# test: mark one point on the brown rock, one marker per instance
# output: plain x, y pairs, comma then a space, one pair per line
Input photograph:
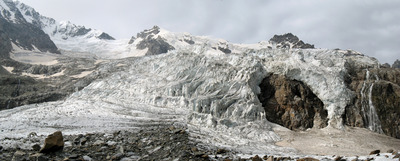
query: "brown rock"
397, 156
338, 158
19, 155
205, 156
307, 159
374, 152
36, 147
390, 151
194, 149
221, 151
291, 103
270, 158
385, 98
256, 158
54, 142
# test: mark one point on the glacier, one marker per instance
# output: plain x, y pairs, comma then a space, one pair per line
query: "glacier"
207, 85
198, 86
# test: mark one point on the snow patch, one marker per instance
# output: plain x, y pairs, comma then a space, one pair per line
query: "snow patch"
9, 69
43, 76
83, 74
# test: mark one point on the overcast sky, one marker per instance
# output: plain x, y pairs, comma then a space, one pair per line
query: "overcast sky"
369, 26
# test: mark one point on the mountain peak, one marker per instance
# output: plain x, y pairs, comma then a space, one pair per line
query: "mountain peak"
396, 64
289, 40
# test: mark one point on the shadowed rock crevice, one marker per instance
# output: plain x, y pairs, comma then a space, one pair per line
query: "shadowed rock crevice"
291, 103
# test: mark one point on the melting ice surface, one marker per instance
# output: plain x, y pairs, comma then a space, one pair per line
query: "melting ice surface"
212, 93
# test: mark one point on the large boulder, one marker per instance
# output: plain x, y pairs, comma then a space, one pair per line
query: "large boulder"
53, 143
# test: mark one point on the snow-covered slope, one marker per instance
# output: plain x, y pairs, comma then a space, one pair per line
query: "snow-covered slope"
68, 37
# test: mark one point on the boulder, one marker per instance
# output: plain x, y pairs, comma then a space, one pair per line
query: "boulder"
374, 152
19, 155
256, 158
36, 147
270, 158
222, 151
53, 143
307, 159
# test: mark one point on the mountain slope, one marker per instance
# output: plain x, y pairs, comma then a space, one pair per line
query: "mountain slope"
28, 29
15, 29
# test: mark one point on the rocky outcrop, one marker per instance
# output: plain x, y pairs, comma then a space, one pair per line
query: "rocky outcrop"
396, 64
291, 103
57, 82
22, 90
289, 41
5, 44
155, 45
377, 102
26, 36
105, 36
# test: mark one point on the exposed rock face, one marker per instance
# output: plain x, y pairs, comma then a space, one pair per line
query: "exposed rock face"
58, 81
133, 38
54, 142
290, 41
5, 43
20, 90
105, 36
396, 64
377, 102
3, 71
155, 45
24, 35
291, 103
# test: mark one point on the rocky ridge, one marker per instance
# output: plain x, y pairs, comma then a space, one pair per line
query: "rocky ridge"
289, 41
154, 45
396, 64
15, 29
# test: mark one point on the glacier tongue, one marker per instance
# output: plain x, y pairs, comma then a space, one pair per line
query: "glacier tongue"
197, 85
